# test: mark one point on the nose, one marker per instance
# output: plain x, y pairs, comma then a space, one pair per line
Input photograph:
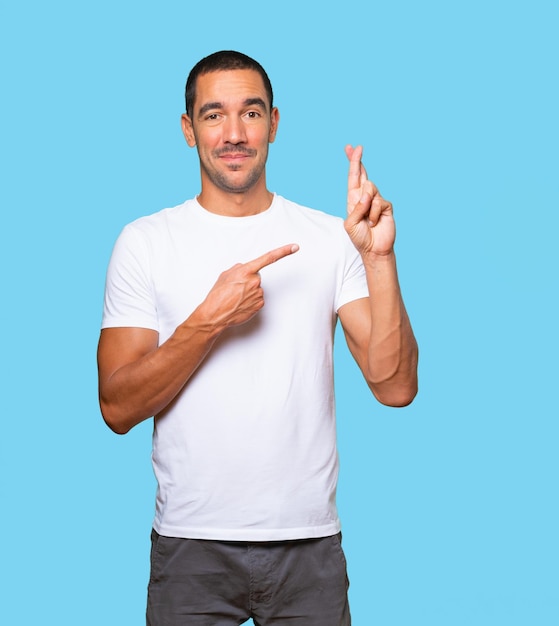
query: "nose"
234, 130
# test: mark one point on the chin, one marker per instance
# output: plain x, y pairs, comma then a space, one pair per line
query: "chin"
225, 183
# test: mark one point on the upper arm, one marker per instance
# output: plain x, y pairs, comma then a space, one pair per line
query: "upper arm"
355, 317
120, 346
390, 365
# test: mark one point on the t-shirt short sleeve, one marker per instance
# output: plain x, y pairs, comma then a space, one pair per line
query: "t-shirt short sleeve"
129, 297
354, 281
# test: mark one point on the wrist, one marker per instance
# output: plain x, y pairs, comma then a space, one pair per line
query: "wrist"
199, 322
376, 258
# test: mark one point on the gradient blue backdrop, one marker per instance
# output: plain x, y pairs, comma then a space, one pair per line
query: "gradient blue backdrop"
449, 506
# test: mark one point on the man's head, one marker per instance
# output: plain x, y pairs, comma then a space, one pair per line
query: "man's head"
222, 61
231, 120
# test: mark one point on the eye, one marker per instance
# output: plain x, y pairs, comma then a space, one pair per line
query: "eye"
212, 119
253, 115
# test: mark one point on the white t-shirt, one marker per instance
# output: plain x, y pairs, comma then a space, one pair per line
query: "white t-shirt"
247, 451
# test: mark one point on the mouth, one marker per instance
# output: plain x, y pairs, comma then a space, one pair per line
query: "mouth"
234, 157
234, 152
234, 161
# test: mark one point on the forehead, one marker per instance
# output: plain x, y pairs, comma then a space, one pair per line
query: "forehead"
229, 87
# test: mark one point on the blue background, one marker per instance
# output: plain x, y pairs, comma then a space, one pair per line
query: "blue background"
449, 506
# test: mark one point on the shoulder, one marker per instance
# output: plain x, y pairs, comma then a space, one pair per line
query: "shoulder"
322, 233
319, 219
154, 231
161, 220
144, 236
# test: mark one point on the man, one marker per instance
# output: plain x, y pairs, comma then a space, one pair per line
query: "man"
219, 320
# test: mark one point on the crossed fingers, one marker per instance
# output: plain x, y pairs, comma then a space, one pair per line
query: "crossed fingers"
357, 174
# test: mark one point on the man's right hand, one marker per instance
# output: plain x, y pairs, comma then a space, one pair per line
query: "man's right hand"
237, 294
138, 378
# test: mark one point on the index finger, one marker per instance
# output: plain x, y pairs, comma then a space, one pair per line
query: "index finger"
271, 257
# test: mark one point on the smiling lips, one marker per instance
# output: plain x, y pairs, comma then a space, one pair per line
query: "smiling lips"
234, 152
234, 160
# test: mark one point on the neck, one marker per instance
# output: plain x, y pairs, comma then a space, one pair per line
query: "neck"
251, 202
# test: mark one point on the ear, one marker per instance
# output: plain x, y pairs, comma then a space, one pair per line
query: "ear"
188, 130
274, 119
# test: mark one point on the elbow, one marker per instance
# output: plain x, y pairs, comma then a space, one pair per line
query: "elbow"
114, 421
395, 392
396, 387
118, 429
397, 398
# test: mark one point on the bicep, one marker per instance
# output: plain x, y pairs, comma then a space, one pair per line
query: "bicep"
121, 346
355, 317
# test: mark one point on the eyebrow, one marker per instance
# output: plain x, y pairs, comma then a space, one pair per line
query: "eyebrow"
209, 106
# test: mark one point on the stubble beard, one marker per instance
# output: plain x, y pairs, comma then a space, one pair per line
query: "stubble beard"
222, 181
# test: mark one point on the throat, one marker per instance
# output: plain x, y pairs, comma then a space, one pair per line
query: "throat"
242, 204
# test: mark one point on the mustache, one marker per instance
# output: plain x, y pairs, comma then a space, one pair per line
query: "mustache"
234, 150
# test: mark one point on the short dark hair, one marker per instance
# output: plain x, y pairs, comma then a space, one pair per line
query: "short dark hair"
223, 60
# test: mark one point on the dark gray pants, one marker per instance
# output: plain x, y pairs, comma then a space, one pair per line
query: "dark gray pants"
222, 583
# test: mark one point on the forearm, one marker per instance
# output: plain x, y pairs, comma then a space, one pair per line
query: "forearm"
392, 350
145, 386
138, 378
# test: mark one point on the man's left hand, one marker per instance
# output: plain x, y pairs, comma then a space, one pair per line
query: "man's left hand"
369, 221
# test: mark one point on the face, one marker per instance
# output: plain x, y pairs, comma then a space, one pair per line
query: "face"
231, 125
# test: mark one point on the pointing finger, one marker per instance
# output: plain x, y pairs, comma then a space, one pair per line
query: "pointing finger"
271, 257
